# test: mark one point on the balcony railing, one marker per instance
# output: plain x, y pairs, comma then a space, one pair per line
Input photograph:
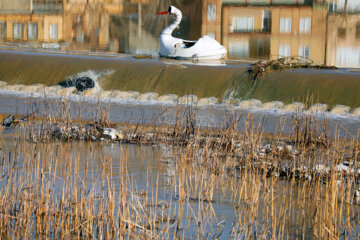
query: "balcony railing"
47, 6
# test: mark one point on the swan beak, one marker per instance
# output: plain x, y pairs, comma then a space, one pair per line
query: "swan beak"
160, 13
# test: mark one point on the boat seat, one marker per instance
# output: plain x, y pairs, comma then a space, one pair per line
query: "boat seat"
189, 43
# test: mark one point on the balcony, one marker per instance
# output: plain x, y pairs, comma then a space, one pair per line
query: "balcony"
47, 6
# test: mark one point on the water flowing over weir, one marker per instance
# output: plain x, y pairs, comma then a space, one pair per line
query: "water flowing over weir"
26, 74
128, 74
330, 87
325, 86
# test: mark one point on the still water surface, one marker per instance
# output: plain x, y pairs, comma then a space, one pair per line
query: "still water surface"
250, 30
156, 170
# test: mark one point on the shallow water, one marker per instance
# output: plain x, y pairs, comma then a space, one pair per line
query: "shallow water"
147, 168
155, 169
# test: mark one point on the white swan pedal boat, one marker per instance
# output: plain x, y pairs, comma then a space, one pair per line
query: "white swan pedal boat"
205, 48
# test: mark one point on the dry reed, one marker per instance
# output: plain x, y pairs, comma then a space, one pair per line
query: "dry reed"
299, 186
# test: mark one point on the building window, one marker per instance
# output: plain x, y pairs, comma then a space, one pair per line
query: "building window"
332, 6
341, 32
304, 51
305, 25
285, 25
239, 49
284, 50
211, 12
348, 57
53, 31
357, 34
18, 30
2, 29
32, 31
242, 24
266, 25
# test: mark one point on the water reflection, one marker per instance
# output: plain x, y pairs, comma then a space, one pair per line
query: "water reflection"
319, 30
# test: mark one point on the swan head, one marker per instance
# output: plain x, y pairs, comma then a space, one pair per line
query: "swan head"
171, 10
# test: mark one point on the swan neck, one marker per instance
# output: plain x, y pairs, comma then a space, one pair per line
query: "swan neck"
168, 30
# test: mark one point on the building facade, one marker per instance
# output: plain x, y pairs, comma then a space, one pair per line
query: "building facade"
299, 32
343, 40
31, 27
49, 20
268, 29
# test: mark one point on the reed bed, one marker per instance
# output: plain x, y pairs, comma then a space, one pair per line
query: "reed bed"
298, 186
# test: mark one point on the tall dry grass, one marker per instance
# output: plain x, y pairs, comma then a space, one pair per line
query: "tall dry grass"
299, 186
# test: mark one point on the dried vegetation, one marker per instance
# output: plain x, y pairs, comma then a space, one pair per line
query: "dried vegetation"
258, 69
303, 185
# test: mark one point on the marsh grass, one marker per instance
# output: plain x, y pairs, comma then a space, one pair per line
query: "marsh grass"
283, 187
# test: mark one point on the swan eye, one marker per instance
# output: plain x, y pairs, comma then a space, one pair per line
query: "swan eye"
169, 10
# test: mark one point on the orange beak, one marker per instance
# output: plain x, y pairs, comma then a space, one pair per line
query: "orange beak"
160, 13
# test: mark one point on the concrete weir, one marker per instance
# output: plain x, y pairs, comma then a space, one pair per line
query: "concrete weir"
154, 98
168, 98
125, 78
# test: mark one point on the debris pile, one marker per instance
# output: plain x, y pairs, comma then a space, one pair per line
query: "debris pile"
259, 68
143, 56
12, 121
